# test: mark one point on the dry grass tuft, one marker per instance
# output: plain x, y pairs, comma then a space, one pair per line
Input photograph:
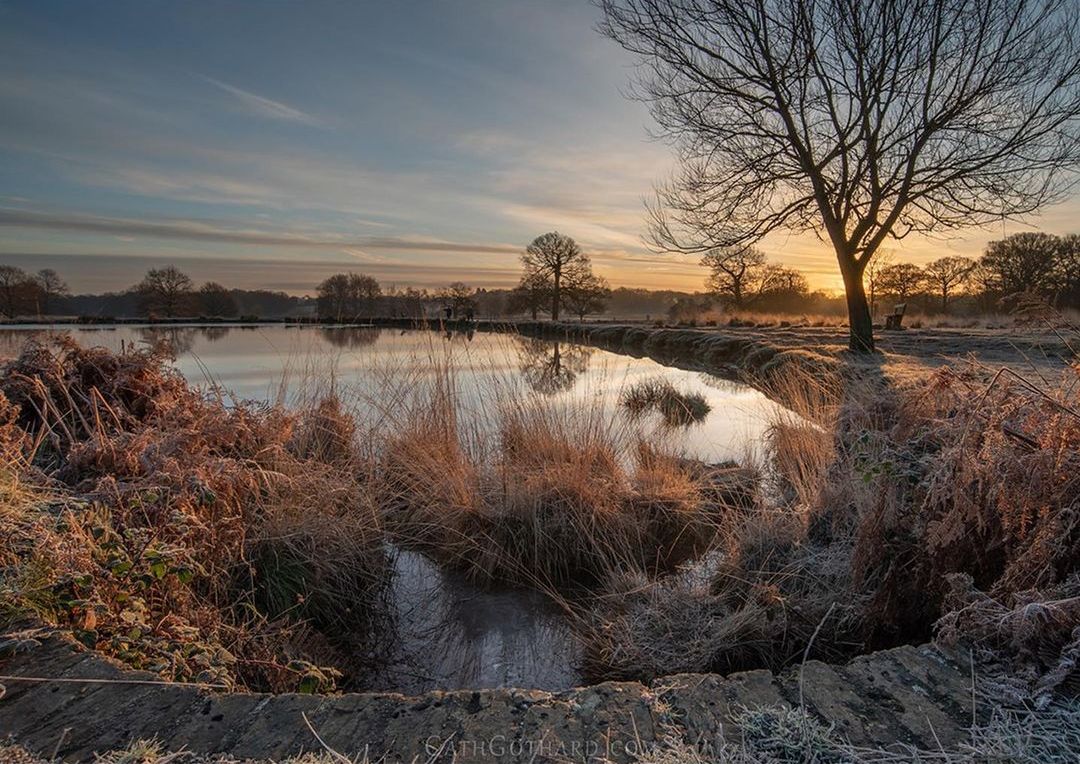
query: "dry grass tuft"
676, 408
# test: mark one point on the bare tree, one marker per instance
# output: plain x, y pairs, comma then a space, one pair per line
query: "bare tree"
1023, 262
215, 300
735, 274
458, 296
781, 280
903, 280
947, 276
1067, 271
165, 290
531, 295
364, 294
858, 120
585, 292
549, 257
50, 287
15, 287
333, 297
348, 295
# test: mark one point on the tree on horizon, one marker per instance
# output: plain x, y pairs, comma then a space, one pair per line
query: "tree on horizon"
549, 258
165, 290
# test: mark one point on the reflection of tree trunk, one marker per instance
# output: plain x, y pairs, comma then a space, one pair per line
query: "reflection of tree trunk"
555, 295
556, 360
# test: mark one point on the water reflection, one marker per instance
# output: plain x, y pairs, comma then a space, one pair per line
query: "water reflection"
267, 361
350, 337
467, 332
454, 635
551, 367
181, 339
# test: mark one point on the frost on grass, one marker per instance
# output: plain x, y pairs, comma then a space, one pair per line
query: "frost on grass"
783, 735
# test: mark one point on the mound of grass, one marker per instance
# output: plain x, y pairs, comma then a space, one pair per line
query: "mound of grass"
676, 408
197, 539
555, 499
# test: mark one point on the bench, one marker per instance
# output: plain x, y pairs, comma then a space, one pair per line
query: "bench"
894, 319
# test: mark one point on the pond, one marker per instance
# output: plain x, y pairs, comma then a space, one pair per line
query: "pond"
453, 635
275, 361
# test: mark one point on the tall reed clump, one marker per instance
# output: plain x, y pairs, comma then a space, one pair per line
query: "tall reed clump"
184, 535
544, 493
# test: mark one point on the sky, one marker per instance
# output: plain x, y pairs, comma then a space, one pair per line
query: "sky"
271, 143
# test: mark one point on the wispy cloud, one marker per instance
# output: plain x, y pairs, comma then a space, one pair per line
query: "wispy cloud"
195, 230
266, 107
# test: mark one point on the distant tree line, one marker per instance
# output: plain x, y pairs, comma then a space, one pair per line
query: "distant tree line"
163, 292
557, 280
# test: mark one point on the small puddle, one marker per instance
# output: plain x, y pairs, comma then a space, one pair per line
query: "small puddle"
455, 635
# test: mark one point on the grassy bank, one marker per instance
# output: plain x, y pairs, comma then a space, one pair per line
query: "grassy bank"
204, 539
213, 540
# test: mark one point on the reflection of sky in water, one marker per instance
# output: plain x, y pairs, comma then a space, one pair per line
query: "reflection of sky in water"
260, 362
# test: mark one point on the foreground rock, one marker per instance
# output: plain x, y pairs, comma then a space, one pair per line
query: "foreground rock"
919, 696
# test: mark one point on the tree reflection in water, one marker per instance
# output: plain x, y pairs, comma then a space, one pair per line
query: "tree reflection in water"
182, 338
350, 337
551, 367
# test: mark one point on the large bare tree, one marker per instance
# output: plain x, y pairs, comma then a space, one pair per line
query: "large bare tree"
550, 257
858, 120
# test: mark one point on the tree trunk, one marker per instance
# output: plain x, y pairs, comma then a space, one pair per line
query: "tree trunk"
860, 323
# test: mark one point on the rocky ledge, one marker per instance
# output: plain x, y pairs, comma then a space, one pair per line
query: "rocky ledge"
81, 703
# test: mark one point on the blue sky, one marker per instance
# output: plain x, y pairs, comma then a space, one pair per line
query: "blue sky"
271, 143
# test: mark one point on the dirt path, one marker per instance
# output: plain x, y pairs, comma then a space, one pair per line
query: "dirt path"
920, 696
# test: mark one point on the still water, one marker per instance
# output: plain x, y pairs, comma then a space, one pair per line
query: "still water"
453, 635
274, 362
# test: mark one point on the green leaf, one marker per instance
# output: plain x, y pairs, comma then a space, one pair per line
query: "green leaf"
184, 575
